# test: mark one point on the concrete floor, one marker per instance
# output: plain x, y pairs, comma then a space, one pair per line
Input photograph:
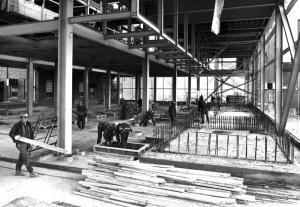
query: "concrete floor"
55, 185
50, 185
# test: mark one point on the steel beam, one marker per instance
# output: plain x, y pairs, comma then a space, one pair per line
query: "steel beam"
149, 45
100, 17
29, 28
131, 34
288, 32
291, 88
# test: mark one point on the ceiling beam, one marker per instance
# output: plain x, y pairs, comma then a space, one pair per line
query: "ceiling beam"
100, 17
29, 28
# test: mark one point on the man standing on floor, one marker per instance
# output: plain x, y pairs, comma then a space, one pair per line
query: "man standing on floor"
81, 114
23, 128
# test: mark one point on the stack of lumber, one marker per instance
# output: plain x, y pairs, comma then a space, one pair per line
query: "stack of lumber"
134, 184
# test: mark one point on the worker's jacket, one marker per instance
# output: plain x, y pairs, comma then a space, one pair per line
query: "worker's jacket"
23, 130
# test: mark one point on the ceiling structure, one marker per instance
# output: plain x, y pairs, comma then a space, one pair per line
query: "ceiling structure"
242, 24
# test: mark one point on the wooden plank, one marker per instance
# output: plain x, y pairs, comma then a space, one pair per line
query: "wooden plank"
41, 144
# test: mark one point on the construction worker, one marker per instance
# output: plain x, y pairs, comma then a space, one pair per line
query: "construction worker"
172, 113
108, 130
81, 115
203, 109
123, 130
23, 129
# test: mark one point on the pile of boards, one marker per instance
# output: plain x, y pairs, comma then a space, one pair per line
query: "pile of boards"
132, 184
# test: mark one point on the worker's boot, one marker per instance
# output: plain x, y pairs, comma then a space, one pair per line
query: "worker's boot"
20, 174
33, 174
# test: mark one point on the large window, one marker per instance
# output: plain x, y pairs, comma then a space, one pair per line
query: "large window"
127, 88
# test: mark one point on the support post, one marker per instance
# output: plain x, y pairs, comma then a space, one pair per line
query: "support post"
65, 73
262, 74
155, 88
55, 86
278, 66
86, 86
108, 89
30, 80
160, 15
189, 90
193, 40
174, 86
104, 23
175, 21
118, 88
87, 8
291, 88
186, 32
288, 32
137, 87
145, 74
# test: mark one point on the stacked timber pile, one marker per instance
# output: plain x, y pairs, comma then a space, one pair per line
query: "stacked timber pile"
133, 184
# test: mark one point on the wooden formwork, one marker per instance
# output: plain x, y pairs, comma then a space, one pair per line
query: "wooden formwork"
133, 149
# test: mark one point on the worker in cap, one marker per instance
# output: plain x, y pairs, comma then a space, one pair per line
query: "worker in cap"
23, 129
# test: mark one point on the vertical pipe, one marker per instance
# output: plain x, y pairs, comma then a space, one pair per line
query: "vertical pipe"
275, 156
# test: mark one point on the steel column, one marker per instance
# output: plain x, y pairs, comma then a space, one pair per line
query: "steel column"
189, 90
160, 15
30, 88
175, 21
174, 86
262, 74
65, 73
278, 68
137, 87
108, 89
118, 88
145, 73
288, 32
291, 88
86, 86
155, 88
186, 32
